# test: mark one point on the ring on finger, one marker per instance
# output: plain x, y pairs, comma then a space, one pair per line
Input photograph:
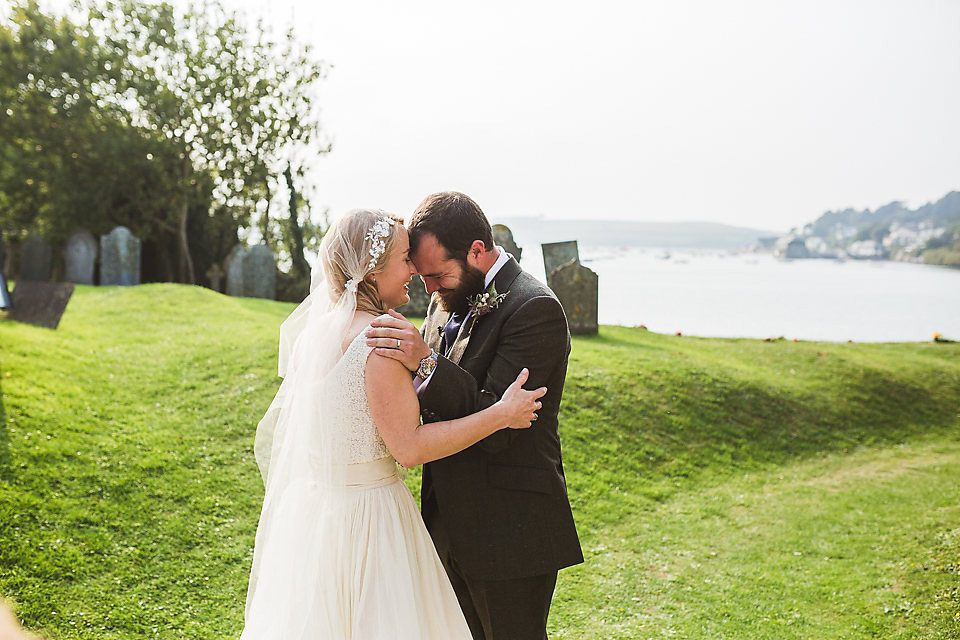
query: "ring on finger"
398, 343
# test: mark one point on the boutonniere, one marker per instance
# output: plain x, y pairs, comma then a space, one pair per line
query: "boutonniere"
483, 303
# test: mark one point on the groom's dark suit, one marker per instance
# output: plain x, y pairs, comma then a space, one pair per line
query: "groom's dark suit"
501, 503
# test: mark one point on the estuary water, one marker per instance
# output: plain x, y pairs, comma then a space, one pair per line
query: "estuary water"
723, 294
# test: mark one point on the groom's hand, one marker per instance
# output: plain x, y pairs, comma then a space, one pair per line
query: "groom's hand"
393, 336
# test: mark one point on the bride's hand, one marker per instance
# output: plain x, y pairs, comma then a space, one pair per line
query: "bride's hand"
520, 404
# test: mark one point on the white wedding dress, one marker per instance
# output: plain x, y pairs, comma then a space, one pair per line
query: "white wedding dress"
354, 561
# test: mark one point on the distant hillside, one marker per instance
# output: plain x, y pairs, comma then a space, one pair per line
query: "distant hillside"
943, 213
930, 233
624, 233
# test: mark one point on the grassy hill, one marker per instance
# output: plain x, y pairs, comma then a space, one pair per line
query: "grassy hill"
722, 488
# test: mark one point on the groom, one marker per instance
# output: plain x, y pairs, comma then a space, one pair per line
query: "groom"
497, 511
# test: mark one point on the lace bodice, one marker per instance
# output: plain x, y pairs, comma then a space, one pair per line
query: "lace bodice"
346, 405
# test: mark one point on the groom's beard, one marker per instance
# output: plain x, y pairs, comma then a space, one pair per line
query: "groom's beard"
471, 283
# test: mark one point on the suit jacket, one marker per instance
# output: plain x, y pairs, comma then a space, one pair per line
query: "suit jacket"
503, 501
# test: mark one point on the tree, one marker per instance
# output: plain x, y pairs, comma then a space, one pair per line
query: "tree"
287, 125
68, 158
876, 232
234, 105
149, 116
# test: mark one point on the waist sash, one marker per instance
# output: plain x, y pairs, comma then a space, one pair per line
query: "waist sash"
368, 475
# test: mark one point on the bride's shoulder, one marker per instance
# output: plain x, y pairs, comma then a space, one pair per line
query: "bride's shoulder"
361, 321
385, 373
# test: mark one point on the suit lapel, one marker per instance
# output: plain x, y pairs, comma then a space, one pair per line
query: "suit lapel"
504, 278
433, 325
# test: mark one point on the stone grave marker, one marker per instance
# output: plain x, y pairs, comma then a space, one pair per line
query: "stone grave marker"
5, 300
259, 273
576, 287
35, 260
234, 265
80, 257
504, 237
40, 303
119, 258
558, 253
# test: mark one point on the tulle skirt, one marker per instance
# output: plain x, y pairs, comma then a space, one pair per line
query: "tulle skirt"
354, 563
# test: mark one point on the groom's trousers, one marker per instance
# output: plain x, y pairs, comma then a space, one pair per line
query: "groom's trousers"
514, 609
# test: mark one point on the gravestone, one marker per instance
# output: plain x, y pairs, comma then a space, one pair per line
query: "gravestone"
40, 303
119, 258
5, 300
80, 257
419, 299
35, 260
234, 264
576, 287
260, 273
558, 253
504, 237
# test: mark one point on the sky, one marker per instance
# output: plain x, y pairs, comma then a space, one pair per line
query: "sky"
757, 113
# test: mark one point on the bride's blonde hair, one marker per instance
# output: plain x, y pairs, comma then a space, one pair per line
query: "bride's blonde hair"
355, 247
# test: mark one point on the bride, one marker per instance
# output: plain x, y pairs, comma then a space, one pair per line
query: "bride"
341, 551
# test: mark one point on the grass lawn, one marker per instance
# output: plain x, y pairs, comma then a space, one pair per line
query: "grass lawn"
722, 488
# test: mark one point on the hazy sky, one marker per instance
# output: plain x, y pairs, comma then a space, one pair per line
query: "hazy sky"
760, 113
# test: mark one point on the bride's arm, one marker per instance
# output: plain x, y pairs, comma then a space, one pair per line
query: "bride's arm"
396, 412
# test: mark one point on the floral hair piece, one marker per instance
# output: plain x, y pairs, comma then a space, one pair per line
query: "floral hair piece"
377, 236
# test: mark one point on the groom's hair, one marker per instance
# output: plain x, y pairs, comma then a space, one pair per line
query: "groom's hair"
456, 221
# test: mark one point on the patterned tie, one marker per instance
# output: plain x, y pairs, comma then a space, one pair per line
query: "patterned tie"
451, 329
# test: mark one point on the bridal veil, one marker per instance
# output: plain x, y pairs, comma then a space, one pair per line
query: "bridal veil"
298, 445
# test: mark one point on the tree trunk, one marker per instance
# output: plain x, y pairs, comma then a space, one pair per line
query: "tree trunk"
265, 223
186, 262
300, 263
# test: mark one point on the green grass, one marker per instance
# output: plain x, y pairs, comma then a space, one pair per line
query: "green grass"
722, 488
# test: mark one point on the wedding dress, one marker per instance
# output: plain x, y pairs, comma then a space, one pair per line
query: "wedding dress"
354, 564
341, 551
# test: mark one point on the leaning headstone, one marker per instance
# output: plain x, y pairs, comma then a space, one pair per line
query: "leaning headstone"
234, 264
40, 303
5, 300
576, 287
260, 273
119, 258
558, 253
419, 299
35, 260
504, 237
80, 257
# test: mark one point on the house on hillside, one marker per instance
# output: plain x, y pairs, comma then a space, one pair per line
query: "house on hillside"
867, 250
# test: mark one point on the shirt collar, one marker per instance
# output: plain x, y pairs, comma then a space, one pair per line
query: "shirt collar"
495, 269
